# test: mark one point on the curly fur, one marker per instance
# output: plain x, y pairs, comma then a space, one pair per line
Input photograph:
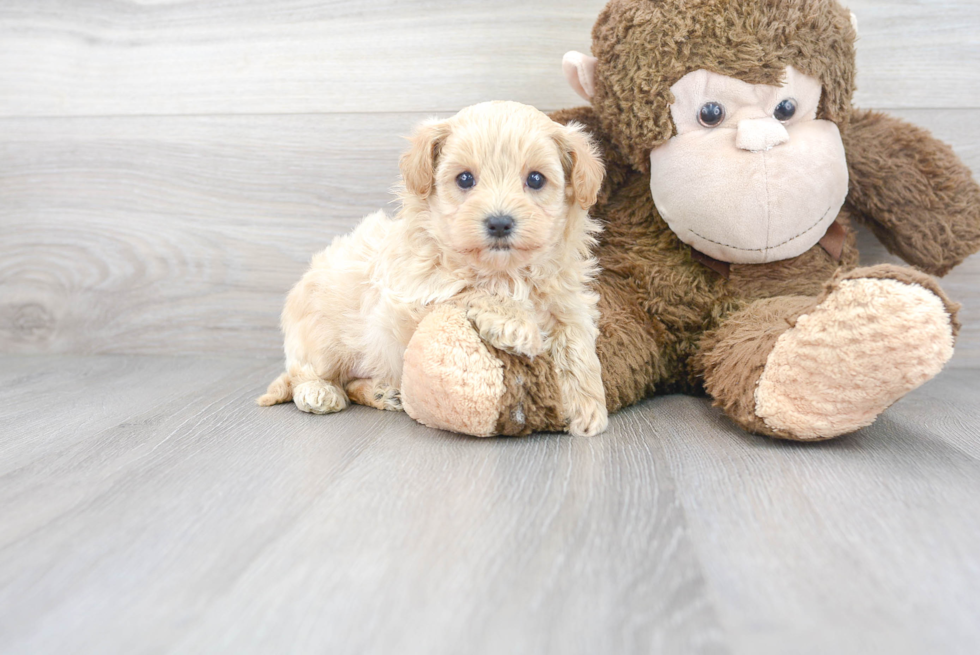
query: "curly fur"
645, 46
349, 319
670, 324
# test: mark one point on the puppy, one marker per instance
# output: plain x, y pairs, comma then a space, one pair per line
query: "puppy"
493, 219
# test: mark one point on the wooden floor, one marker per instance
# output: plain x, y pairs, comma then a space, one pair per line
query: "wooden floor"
146, 505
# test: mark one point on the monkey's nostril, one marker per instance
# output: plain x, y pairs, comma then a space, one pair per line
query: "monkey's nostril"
499, 226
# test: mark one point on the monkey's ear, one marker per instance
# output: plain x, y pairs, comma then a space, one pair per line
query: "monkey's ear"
418, 163
854, 22
579, 70
583, 167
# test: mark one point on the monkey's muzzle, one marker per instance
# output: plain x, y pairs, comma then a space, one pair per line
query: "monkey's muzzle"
751, 206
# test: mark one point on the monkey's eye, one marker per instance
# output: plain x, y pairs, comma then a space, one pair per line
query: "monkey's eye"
535, 180
785, 110
465, 180
711, 114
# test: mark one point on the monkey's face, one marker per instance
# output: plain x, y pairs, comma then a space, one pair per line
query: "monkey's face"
750, 176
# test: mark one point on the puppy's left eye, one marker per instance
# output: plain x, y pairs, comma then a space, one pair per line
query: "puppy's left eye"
535, 180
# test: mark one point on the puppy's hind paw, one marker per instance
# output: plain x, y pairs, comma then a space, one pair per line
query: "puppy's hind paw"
374, 393
589, 418
388, 399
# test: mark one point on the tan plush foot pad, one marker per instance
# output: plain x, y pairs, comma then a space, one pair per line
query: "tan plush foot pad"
866, 345
450, 380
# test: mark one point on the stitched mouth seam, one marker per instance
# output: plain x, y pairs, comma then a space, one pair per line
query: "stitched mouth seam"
765, 170
768, 247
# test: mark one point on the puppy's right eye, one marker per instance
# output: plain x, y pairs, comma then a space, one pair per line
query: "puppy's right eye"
465, 180
711, 114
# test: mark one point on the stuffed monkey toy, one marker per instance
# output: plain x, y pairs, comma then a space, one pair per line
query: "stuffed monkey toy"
735, 169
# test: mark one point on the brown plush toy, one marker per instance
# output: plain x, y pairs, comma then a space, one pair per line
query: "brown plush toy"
728, 257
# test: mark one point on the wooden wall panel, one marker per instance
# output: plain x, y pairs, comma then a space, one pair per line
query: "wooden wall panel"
157, 235
917, 53
289, 56
167, 168
59, 57
182, 234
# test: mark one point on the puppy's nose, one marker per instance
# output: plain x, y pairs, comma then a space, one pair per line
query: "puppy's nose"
760, 134
499, 226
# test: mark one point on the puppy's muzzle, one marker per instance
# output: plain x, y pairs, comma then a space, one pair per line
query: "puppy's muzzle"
499, 227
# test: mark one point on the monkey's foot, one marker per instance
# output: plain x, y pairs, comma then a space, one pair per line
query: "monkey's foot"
879, 333
450, 380
453, 380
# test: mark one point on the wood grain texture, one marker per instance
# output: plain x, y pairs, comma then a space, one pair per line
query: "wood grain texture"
292, 56
190, 521
56, 403
183, 234
58, 57
196, 522
917, 53
867, 543
175, 234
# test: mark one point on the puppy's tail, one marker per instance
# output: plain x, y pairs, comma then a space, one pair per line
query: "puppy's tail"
280, 391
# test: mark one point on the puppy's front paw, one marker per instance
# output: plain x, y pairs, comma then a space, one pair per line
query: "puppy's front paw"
319, 397
588, 417
516, 334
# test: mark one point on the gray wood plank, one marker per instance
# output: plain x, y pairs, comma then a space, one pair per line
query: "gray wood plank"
917, 53
867, 543
183, 234
946, 410
55, 403
112, 58
128, 228
205, 524
208, 524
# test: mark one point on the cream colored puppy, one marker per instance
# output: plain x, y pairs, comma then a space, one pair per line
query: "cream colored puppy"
494, 219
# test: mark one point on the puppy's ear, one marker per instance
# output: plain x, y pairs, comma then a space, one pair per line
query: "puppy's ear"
418, 163
583, 167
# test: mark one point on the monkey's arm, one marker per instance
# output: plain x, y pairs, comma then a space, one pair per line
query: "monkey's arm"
455, 381
912, 191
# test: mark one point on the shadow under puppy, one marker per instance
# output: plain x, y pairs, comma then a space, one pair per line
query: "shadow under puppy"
494, 221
